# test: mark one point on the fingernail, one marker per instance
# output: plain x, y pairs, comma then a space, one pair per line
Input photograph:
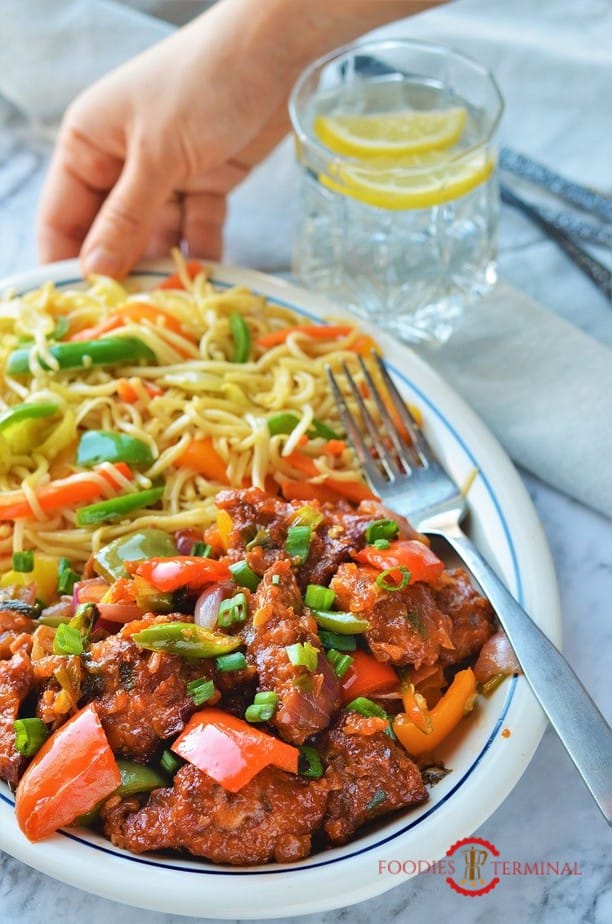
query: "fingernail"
102, 261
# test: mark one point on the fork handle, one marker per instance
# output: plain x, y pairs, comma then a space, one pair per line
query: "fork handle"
571, 711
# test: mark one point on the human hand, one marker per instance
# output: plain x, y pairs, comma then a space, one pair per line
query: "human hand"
147, 155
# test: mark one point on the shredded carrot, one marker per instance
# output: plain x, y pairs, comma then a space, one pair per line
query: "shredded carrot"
334, 447
303, 462
305, 490
128, 393
99, 330
315, 331
66, 492
175, 282
201, 456
354, 491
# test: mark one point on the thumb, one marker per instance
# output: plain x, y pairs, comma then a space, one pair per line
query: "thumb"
119, 234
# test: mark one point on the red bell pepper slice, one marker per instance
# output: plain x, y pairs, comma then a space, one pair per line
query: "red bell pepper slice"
168, 574
230, 750
367, 675
423, 564
74, 769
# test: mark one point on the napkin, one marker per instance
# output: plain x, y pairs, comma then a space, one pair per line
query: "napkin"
542, 385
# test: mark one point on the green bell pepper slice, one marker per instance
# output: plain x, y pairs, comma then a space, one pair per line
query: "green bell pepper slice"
342, 623
137, 778
107, 351
186, 639
97, 446
28, 411
117, 507
146, 543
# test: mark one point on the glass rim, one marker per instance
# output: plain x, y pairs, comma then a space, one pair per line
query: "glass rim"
307, 137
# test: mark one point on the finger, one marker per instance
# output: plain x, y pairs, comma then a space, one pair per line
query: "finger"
119, 234
203, 217
74, 190
167, 229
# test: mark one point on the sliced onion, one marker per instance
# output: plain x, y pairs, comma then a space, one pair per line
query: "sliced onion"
186, 538
120, 612
305, 713
63, 609
496, 657
89, 591
207, 604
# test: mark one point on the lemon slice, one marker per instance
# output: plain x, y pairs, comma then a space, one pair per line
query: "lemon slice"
417, 181
408, 131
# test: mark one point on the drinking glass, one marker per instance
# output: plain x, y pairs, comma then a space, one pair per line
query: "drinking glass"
397, 204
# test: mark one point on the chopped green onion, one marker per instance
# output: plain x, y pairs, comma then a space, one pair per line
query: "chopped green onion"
303, 654
232, 610
266, 697
201, 690
381, 529
492, 684
297, 545
377, 799
83, 619
276, 579
365, 706
231, 662
30, 735
170, 762
343, 623
244, 575
66, 577
340, 662
261, 538
381, 544
319, 597
309, 763
23, 562
117, 507
384, 584
307, 516
201, 549
67, 641
263, 707
242, 337
337, 641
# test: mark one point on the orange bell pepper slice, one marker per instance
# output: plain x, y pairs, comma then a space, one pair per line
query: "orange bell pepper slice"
230, 750
418, 558
444, 717
169, 574
74, 769
367, 675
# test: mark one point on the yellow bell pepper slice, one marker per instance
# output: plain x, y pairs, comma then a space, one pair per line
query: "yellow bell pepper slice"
443, 718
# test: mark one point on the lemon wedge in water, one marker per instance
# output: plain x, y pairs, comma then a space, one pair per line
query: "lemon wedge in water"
418, 181
406, 131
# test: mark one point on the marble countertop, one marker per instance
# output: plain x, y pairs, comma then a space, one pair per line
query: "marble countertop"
549, 815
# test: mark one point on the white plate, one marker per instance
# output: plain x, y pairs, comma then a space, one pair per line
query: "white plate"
486, 765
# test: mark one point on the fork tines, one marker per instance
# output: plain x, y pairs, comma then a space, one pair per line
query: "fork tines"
387, 448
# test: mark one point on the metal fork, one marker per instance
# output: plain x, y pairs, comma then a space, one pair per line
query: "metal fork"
409, 477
